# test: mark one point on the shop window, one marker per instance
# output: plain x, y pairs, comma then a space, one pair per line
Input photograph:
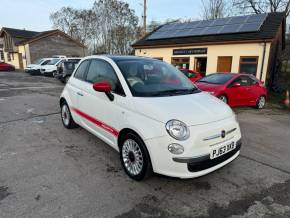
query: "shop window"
248, 65
180, 62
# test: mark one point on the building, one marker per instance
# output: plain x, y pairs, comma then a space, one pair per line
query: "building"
245, 44
1, 51
22, 47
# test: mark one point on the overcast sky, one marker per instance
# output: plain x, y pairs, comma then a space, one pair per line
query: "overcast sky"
34, 14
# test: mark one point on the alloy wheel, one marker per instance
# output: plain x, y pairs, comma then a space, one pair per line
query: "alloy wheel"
65, 115
224, 99
132, 157
261, 102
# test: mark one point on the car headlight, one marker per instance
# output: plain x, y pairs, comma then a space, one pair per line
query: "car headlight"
177, 130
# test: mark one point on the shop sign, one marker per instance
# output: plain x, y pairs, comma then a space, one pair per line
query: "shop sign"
190, 51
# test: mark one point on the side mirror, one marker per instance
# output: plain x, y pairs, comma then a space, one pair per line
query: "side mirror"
104, 87
236, 85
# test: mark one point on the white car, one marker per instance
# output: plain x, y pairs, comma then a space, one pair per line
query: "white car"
34, 69
152, 114
50, 69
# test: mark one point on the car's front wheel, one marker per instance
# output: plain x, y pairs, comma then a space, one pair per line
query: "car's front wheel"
134, 157
66, 117
261, 102
224, 98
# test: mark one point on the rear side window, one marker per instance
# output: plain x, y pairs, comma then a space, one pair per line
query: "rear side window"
244, 81
80, 73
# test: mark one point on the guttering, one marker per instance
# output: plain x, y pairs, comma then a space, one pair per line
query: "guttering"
171, 45
263, 60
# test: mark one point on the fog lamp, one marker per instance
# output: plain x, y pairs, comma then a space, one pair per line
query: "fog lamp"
175, 148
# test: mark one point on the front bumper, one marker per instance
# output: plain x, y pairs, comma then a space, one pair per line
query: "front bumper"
195, 161
33, 71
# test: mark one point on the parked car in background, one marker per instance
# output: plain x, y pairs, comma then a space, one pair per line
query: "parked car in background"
6, 67
50, 69
235, 89
58, 56
129, 103
34, 69
65, 70
193, 76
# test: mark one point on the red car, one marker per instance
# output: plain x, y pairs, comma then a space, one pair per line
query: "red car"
6, 67
235, 89
193, 76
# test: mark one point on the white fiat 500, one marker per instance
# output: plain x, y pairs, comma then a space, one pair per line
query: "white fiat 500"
152, 114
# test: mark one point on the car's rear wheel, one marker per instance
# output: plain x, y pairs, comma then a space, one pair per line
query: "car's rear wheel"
261, 102
134, 157
224, 98
66, 117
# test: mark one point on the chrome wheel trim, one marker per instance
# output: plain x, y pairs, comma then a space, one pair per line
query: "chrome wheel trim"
224, 99
130, 147
261, 102
65, 115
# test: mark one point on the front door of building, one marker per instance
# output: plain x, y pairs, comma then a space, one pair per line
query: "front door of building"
224, 64
200, 65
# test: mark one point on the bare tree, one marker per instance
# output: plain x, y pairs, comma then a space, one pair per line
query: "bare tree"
116, 26
76, 23
262, 6
110, 26
214, 9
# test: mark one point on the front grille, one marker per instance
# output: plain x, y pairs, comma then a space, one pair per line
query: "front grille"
206, 164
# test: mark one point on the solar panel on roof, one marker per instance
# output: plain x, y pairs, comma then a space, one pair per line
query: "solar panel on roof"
220, 22
250, 23
249, 27
230, 28
212, 30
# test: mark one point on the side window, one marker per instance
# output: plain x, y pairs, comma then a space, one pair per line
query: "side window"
243, 80
45, 62
100, 71
80, 73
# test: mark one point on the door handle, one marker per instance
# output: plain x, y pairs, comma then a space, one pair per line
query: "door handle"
80, 94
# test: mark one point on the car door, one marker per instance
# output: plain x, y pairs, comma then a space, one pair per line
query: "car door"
254, 91
75, 89
239, 96
100, 114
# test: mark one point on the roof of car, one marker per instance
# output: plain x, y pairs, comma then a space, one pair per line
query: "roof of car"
123, 57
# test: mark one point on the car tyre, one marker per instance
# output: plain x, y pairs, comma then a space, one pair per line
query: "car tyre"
66, 117
261, 102
223, 98
134, 157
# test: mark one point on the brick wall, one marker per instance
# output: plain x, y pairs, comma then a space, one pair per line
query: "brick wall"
56, 44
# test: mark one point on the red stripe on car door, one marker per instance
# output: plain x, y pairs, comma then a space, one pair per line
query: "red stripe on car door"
99, 123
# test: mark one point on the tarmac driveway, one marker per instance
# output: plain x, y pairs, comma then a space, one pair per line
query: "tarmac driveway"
49, 171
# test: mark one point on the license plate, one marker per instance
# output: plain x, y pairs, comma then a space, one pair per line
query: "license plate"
221, 150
